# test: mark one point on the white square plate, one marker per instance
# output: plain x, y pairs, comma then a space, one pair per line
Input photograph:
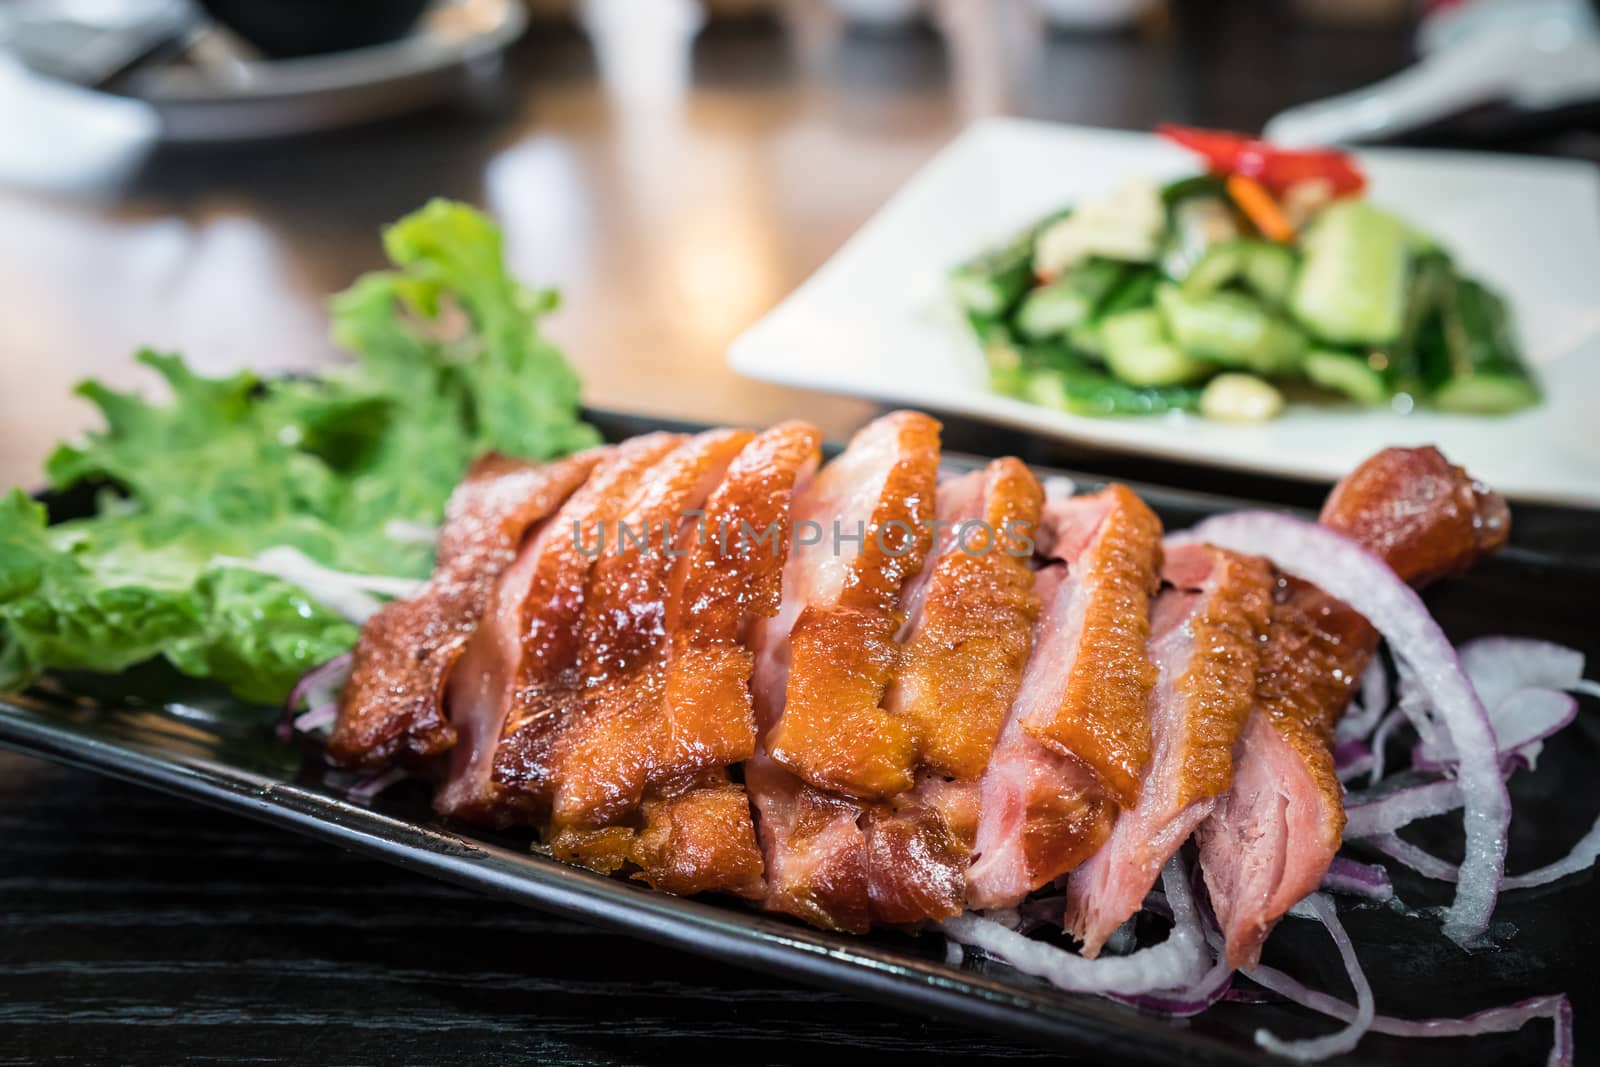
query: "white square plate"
875, 321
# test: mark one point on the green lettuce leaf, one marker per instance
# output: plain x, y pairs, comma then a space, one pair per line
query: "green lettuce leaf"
450, 363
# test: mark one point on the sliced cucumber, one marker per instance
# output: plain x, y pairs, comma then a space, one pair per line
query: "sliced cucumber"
1347, 373
1219, 266
1139, 351
1351, 287
1052, 310
992, 282
1232, 329
1269, 271
1477, 367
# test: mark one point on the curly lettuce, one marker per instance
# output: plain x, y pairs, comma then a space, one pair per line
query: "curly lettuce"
450, 363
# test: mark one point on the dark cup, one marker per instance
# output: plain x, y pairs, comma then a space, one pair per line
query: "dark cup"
282, 29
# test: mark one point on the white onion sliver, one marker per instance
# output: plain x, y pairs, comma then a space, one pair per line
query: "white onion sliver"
1581, 858
1500, 1020
1176, 963
1310, 1050
354, 596
1346, 571
1385, 814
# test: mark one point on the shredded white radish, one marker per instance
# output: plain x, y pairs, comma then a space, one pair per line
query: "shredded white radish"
1347, 571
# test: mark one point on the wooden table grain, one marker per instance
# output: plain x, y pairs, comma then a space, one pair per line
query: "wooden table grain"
674, 188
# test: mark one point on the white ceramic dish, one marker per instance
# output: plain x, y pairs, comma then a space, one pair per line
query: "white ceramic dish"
875, 320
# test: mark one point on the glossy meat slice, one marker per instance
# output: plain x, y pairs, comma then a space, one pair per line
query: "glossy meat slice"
686, 709
1112, 545
1044, 809
1207, 627
969, 628
1272, 838
617, 630
827, 657
970, 618
521, 663
1421, 514
391, 707
832, 729
698, 841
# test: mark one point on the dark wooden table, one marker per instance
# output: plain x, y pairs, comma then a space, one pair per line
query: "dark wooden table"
674, 196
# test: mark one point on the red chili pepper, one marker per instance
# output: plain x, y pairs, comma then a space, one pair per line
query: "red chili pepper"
1275, 168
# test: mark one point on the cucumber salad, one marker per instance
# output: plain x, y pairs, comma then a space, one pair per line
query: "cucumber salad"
1219, 293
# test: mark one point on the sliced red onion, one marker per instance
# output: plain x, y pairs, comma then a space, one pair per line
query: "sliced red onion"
1521, 719
1310, 1050
1352, 759
1499, 666
1179, 962
318, 687
1385, 814
1358, 725
1359, 879
1212, 987
1417, 858
1500, 1020
319, 717
1380, 744
371, 787
1347, 571
1580, 859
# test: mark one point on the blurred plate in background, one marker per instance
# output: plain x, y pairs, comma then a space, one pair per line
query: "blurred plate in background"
874, 320
212, 95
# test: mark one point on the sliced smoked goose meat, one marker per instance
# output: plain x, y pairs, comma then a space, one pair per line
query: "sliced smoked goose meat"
698, 841
391, 707
970, 619
832, 729
1414, 509
1271, 839
1206, 628
607, 617
1045, 809
969, 627
833, 641
702, 720
1111, 543
814, 848
687, 709
523, 659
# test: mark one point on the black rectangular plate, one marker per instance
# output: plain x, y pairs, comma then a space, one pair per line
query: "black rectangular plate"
152, 727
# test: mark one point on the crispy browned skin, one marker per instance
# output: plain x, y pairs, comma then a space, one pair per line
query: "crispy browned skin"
1215, 689
685, 707
1103, 720
834, 732
549, 676
698, 841
964, 660
391, 707
1421, 514
1317, 649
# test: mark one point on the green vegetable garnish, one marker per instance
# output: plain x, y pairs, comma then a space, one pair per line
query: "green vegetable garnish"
450, 364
